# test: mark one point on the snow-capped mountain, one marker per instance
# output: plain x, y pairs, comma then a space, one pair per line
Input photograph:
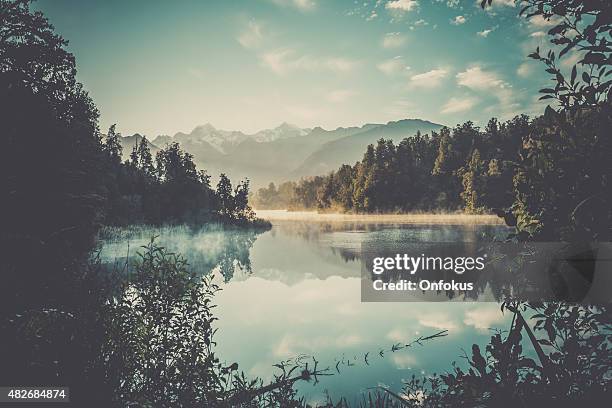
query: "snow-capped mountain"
222, 140
286, 152
283, 131
226, 140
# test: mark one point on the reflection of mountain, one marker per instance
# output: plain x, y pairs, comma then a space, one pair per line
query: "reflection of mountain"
283, 153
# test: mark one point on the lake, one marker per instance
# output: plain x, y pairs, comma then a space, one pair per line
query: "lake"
295, 290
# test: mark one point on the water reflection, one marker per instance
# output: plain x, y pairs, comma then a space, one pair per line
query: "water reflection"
207, 249
296, 290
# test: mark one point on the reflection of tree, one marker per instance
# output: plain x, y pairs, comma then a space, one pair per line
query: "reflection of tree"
206, 249
236, 254
512, 270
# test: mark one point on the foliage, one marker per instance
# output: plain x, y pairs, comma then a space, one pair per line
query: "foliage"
566, 365
562, 181
168, 188
273, 198
160, 336
60, 181
462, 167
160, 349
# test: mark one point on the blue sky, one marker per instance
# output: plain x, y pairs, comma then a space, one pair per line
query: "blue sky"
159, 67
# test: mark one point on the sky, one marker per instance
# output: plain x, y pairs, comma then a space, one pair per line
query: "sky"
160, 67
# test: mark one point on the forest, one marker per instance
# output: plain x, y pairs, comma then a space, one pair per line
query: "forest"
460, 168
167, 189
473, 170
148, 340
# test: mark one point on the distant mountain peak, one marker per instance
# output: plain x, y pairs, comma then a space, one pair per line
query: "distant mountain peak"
204, 128
286, 125
283, 131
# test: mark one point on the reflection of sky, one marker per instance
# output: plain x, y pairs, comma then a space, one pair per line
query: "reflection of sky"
262, 322
303, 297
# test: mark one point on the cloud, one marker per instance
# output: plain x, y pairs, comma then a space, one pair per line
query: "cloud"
458, 20
291, 345
524, 70
438, 320
421, 23
400, 107
402, 5
403, 361
500, 3
483, 317
538, 34
485, 33
252, 36
571, 59
340, 95
541, 22
284, 61
488, 82
393, 40
478, 79
393, 66
429, 79
455, 105
302, 5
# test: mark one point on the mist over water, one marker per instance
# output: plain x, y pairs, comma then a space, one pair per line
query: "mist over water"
295, 289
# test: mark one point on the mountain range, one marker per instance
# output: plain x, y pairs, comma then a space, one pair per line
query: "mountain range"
286, 152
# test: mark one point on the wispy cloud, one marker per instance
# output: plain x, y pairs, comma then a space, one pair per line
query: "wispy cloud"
455, 105
402, 5
477, 78
429, 79
450, 3
393, 66
524, 70
541, 22
403, 361
393, 40
458, 20
286, 60
302, 5
490, 83
499, 3
538, 34
252, 36
570, 59
438, 320
372, 15
485, 33
483, 318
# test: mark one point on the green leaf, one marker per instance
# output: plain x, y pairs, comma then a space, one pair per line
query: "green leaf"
586, 77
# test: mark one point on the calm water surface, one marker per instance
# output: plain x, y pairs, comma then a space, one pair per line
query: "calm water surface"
295, 290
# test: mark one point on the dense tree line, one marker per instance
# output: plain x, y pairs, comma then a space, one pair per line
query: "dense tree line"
548, 176
167, 188
462, 167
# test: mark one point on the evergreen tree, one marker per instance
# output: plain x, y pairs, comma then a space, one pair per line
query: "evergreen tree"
224, 197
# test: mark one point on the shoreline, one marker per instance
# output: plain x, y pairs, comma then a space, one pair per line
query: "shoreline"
424, 218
